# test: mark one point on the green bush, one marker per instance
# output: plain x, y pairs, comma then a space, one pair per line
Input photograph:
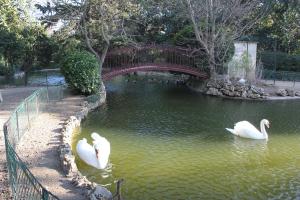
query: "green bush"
283, 61
80, 69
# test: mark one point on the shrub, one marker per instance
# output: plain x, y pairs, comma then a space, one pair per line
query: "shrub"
80, 69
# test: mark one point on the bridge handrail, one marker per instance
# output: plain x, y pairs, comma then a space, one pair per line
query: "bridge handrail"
130, 49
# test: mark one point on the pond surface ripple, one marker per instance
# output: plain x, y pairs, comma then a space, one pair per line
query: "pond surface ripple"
170, 143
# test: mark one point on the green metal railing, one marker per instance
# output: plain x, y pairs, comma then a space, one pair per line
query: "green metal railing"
22, 182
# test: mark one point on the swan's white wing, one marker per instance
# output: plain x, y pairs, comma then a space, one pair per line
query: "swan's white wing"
104, 149
86, 152
247, 130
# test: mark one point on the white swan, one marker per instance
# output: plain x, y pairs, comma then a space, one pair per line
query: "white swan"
242, 81
96, 155
247, 130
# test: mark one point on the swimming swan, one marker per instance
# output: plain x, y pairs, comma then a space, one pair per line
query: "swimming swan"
96, 155
247, 130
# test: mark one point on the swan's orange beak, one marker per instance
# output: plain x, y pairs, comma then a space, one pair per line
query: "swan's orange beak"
268, 124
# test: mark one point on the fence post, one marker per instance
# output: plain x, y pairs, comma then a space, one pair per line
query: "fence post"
61, 92
27, 111
47, 94
37, 104
11, 162
17, 119
45, 194
47, 79
8, 161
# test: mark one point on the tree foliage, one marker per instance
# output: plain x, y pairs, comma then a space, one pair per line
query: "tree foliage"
23, 42
99, 22
159, 21
207, 26
280, 27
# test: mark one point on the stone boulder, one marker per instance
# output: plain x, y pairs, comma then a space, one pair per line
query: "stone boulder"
213, 91
244, 94
290, 92
100, 193
297, 93
282, 92
233, 88
257, 90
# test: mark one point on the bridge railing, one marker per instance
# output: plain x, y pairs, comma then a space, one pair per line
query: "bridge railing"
149, 55
22, 182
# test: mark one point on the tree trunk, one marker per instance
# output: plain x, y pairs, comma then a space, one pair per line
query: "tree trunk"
102, 58
26, 78
102, 90
212, 62
212, 68
26, 68
102, 93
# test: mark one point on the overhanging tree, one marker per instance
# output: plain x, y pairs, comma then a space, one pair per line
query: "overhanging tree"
99, 22
217, 23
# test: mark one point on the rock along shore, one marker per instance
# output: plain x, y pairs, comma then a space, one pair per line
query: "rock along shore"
236, 90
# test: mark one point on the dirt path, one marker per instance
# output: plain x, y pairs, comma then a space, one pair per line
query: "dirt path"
39, 148
11, 99
42, 156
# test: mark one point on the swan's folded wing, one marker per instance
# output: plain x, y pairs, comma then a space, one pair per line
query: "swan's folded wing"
86, 152
246, 129
244, 125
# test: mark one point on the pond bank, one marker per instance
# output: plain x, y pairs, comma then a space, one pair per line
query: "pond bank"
262, 90
236, 90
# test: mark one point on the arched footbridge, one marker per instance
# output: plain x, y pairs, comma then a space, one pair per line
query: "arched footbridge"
126, 60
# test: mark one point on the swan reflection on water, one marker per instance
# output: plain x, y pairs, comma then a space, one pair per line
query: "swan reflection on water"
242, 144
254, 150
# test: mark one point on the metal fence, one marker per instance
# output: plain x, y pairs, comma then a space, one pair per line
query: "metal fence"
281, 75
45, 77
22, 182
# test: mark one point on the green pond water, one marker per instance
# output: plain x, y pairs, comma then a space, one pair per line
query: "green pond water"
168, 142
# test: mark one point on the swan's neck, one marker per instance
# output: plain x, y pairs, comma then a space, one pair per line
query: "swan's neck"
263, 129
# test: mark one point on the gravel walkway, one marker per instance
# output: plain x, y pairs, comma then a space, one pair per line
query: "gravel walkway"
39, 148
42, 156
